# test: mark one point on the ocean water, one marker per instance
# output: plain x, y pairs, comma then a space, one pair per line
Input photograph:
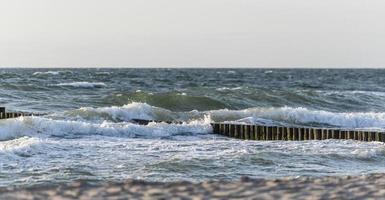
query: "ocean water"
87, 133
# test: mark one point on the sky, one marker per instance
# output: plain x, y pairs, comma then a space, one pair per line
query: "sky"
192, 33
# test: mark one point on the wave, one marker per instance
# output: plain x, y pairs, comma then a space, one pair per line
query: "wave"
258, 115
306, 116
175, 101
124, 113
41, 126
83, 84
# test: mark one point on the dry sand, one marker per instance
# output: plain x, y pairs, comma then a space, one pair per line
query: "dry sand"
347, 187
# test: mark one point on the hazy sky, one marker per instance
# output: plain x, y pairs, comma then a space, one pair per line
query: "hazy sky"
193, 33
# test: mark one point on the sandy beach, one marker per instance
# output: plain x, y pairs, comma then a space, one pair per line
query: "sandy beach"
344, 187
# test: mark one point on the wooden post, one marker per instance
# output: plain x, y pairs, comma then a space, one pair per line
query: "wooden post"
324, 134
290, 133
377, 137
350, 135
369, 136
221, 128
306, 135
257, 132
247, 132
314, 134
295, 133
366, 135
275, 132
355, 136
280, 133
2, 112
236, 130
225, 126
336, 134
242, 131
342, 134
301, 133
269, 133
264, 133
361, 135
215, 127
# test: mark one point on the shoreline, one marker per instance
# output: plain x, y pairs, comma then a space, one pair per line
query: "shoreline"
330, 187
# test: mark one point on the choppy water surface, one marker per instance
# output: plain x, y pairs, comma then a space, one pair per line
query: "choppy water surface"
87, 133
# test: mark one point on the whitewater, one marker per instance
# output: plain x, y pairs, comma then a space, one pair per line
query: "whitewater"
87, 132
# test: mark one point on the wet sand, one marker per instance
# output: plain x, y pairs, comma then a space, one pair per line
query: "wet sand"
343, 187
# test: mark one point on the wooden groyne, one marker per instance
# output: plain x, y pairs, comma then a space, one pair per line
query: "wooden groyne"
261, 132
9, 115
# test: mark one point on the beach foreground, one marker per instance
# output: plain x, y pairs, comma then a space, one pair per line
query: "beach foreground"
339, 187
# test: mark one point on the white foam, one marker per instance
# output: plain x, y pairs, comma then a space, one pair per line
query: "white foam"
83, 84
18, 143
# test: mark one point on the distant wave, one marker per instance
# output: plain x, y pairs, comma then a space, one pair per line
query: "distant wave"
50, 73
226, 88
103, 73
83, 84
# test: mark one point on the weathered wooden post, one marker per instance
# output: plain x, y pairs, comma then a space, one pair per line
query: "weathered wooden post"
247, 132
290, 133
330, 133
279, 134
269, 133
324, 134
295, 133
378, 137
2, 112
237, 131
231, 130
284, 133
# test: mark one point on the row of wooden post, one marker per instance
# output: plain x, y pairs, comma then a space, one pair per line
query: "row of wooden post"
259, 132
8, 115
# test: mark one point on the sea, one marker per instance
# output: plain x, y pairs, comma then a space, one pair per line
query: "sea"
87, 131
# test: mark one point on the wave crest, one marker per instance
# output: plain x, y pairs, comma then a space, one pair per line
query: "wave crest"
258, 115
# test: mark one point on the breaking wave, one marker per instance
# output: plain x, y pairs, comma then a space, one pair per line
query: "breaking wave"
271, 115
41, 126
